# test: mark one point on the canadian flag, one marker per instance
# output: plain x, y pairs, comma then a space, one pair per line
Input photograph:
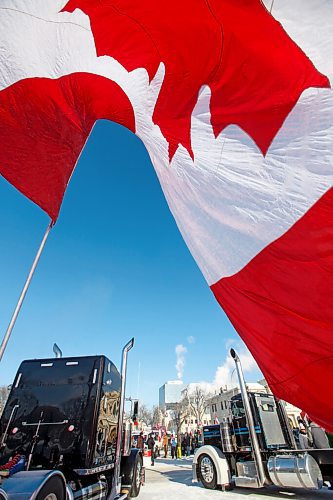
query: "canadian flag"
235, 107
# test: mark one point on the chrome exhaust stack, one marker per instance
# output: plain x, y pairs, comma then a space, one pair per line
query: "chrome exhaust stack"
116, 483
57, 351
262, 480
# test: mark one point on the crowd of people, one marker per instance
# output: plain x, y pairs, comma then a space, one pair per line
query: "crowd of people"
168, 445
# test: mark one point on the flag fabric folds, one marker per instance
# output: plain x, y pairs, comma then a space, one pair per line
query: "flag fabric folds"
234, 105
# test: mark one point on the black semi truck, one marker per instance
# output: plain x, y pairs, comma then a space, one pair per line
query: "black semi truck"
255, 447
63, 434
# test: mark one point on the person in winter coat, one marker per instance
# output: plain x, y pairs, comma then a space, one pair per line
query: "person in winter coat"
151, 447
173, 444
319, 437
157, 447
183, 446
140, 442
303, 438
165, 443
187, 444
194, 443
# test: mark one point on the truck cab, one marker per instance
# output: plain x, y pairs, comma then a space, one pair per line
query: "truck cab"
255, 447
62, 422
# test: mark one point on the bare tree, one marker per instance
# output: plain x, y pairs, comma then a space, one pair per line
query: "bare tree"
179, 414
4, 391
157, 416
198, 401
145, 415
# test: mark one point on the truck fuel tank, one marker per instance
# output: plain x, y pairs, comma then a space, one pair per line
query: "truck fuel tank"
295, 471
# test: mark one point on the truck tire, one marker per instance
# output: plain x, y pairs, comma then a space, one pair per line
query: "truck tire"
53, 489
136, 480
206, 472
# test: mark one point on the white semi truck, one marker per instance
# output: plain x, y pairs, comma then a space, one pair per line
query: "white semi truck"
255, 447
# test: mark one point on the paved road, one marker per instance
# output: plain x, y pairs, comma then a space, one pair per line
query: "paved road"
172, 480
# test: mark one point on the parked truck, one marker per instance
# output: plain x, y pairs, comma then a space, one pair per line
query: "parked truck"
255, 447
63, 434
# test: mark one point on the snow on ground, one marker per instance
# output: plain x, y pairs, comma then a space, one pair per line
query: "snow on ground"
172, 480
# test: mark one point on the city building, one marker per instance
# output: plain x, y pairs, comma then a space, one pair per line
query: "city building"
219, 403
191, 423
170, 393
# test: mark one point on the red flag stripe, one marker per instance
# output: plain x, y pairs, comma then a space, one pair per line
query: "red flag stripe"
281, 305
44, 125
254, 69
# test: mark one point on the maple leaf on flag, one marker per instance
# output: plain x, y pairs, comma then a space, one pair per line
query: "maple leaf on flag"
255, 71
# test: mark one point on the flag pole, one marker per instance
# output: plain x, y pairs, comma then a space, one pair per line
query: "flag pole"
24, 291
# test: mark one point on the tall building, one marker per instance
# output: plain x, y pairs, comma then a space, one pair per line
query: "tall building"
170, 393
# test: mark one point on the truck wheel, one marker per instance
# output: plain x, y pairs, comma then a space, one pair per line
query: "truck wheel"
52, 490
207, 472
136, 481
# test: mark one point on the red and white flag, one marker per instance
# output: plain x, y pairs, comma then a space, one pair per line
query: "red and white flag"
235, 108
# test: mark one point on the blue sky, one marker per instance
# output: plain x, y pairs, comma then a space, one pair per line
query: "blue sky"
115, 266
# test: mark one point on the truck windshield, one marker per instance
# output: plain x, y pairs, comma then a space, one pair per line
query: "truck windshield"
237, 409
57, 372
53, 396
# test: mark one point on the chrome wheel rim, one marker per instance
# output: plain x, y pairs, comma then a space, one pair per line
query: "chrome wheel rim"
207, 469
51, 496
138, 474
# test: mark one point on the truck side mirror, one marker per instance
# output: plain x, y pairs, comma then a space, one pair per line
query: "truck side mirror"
135, 410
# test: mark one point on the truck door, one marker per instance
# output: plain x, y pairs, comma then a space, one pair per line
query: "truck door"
270, 422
